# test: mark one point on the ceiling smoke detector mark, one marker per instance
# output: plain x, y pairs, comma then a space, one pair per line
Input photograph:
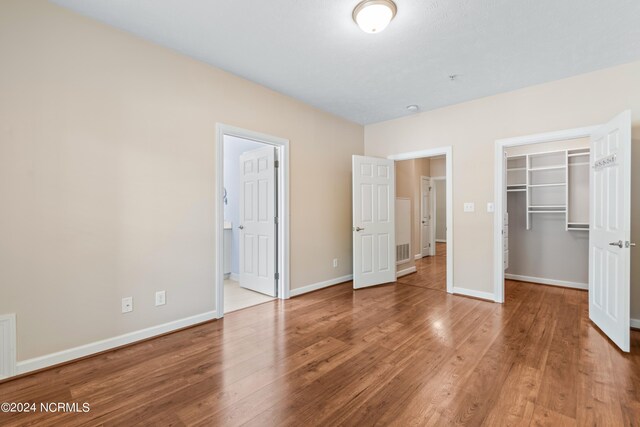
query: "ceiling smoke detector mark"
453, 77
413, 108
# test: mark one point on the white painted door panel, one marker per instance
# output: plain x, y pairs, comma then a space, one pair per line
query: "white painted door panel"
610, 229
374, 256
257, 221
426, 216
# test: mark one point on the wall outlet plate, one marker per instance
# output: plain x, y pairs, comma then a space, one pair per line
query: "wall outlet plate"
335, 262
469, 207
491, 207
161, 298
127, 304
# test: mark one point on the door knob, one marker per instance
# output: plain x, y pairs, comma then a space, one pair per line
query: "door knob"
359, 229
424, 222
241, 227
630, 244
618, 244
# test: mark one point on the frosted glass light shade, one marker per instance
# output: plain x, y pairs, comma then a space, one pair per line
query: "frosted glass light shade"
373, 16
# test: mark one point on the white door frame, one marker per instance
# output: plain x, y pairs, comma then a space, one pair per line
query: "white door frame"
448, 153
283, 208
435, 208
500, 145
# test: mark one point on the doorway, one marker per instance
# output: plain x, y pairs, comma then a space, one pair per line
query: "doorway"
379, 214
252, 218
587, 188
416, 224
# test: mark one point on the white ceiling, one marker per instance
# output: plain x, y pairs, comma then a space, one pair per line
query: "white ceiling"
313, 51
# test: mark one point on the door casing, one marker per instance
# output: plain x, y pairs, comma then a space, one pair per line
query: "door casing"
283, 252
499, 193
447, 151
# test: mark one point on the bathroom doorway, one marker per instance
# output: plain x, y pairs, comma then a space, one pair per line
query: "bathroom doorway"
253, 187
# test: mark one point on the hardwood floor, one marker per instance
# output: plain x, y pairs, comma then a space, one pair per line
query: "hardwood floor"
431, 271
390, 355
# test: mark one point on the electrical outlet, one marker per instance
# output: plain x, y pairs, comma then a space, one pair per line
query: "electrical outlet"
335, 262
469, 207
161, 298
127, 304
491, 207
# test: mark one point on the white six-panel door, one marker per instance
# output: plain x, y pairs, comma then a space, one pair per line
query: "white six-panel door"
426, 216
374, 255
257, 221
610, 229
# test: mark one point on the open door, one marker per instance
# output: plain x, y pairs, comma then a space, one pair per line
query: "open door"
427, 247
610, 229
257, 220
374, 188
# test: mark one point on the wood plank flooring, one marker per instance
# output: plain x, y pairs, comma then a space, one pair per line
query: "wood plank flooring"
431, 271
403, 354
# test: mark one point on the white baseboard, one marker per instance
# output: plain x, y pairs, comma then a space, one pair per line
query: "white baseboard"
320, 285
441, 240
235, 277
406, 271
7, 345
45, 361
418, 256
635, 323
544, 281
473, 293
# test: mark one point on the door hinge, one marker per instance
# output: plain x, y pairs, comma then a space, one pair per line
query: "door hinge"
275, 219
276, 164
277, 276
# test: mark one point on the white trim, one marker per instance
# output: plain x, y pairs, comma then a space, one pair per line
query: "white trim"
545, 281
406, 271
320, 285
110, 343
448, 153
7, 345
441, 241
418, 256
234, 276
283, 208
473, 293
635, 323
500, 145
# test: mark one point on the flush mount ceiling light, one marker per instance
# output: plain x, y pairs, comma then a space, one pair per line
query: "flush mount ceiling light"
373, 16
413, 108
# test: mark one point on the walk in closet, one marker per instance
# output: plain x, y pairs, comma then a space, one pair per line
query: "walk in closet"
548, 216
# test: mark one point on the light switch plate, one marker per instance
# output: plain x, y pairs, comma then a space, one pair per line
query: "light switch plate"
469, 207
491, 207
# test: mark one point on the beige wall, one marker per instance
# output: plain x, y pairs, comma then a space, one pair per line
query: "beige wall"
408, 173
405, 187
438, 166
107, 178
471, 129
